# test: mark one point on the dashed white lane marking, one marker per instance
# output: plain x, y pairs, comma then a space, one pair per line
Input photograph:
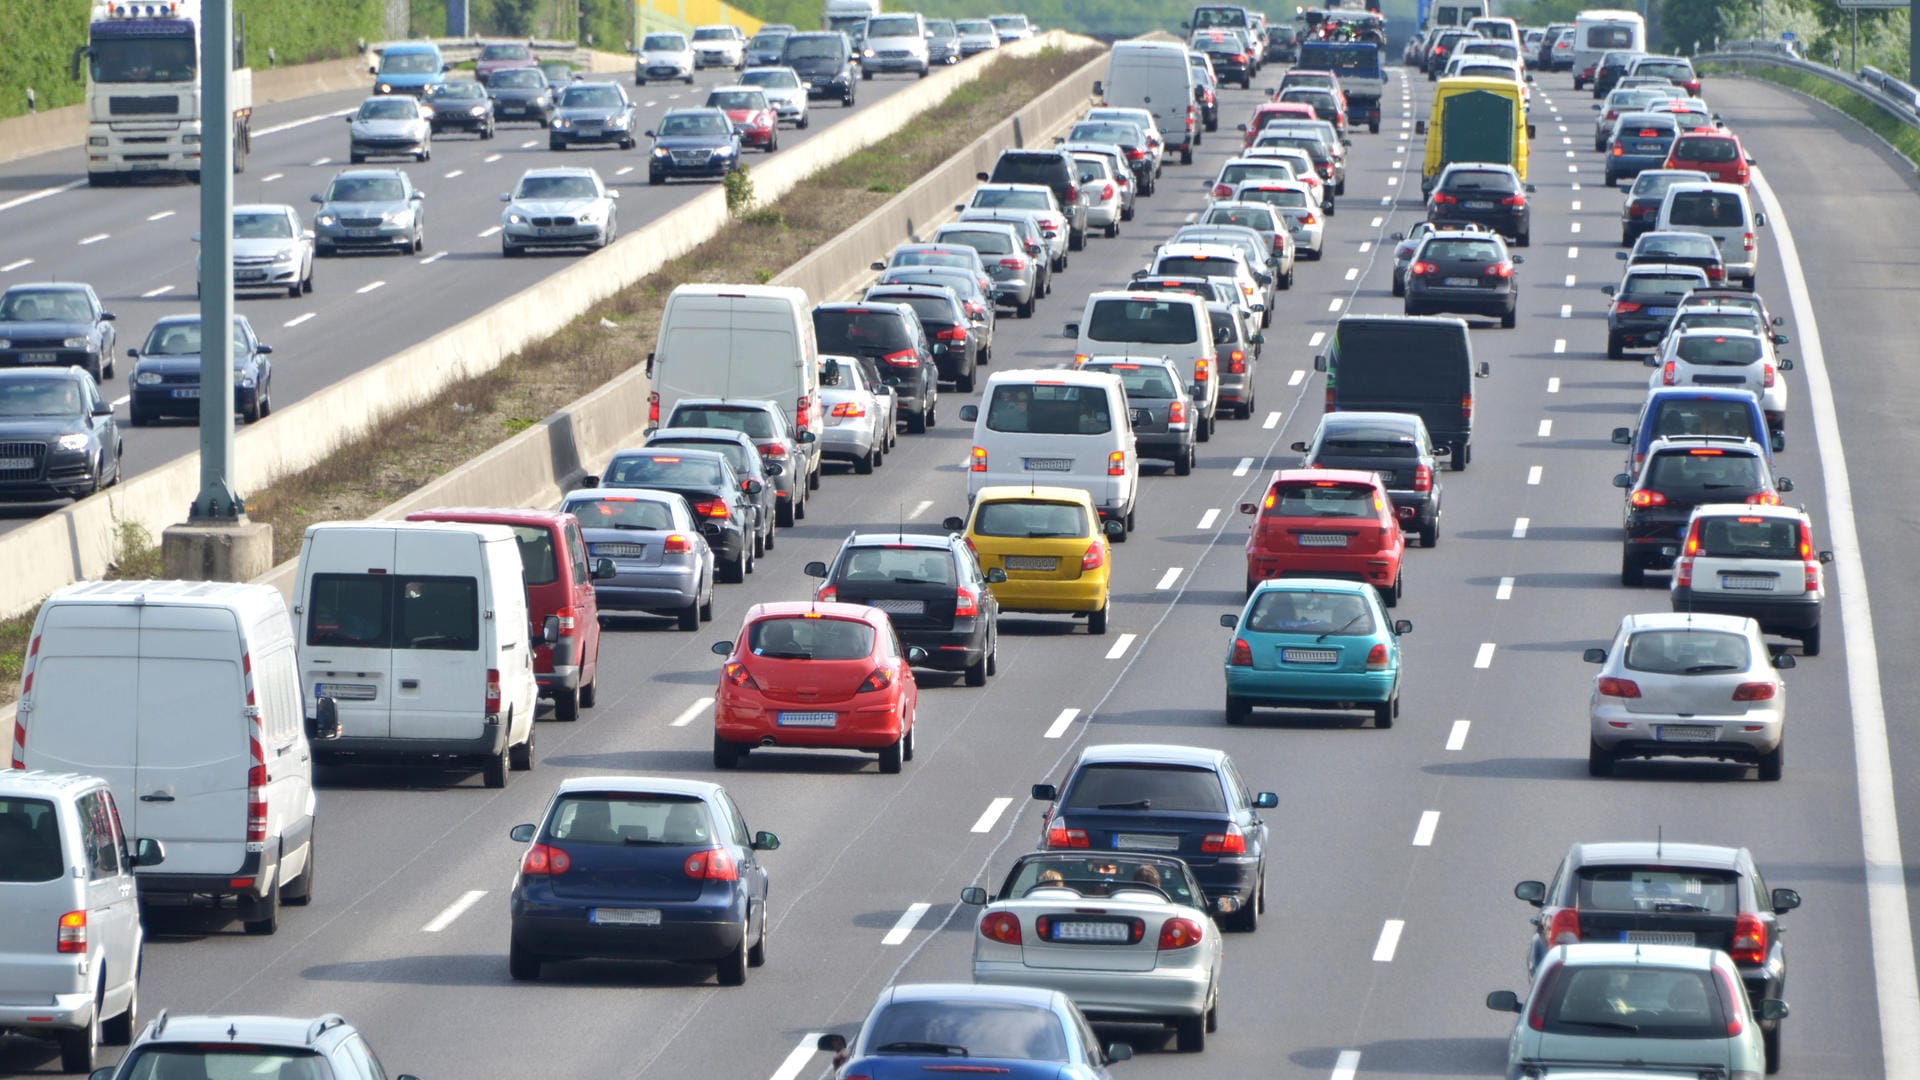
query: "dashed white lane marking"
1457, 738
1167, 579
798, 1057
1207, 519
1533, 476
1560, 345
1563, 127
921, 507
1062, 722
454, 910
691, 713
1565, 141
1397, 164
1386, 200
530, 144
35, 196
94, 239
161, 216
1190, 218
433, 258
122, 400
370, 286
1312, 342
623, 170
1389, 940
489, 231
1505, 591
1566, 311
1352, 272
161, 291
1484, 658
1120, 647
1576, 204
1273, 419
319, 161
1423, 833
1346, 1065
490, 159
673, 97
1376, 223
909, 919
1392, 180
15, 265
1520, 527
1546, 428
456, 172
1573, 252
1575, 227
992, 814
1576, 187
1366, 246
297, 320
650, 104
1299, 376
1573, 168
1570, 281
1334, 304
271, 177
1241, 468
1553, 384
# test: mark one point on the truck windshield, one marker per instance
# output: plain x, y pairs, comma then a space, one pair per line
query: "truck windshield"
142, 60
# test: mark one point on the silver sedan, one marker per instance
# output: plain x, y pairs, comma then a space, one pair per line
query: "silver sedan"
859, 417
558, 208
392, 125
659, 558
272, 249
784, 90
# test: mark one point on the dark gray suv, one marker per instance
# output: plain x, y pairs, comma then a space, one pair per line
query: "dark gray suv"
1055, 169
889, 334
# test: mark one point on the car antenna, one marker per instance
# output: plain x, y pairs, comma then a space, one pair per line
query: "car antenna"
1659, 841
903, 522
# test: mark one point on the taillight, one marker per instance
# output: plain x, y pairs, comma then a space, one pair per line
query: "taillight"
712, 508
1748, 241
1001, 926
878, 679
979, 459
1683, 571
72, 935
257, 790
1177, 414
829, 593
1441, 198
849, 409
1203, 367
1514, 200
1421, 268
569, 622
773, 450
1466, 406
545, 860
902, 358
1730, 996
1242, 653
965, 604
1309, 219
1749, 940
1221, 191
676, 544
1618, 150
713, 864
1231, 842
1755, 691
1639, 210
1179, 934
1500, 270
1647, 497
1422, 478
1237, 362
1059, 835
1763, 498
1117, 463
1106, 192
1094, 558
952, 333
1716, 273
1608, 686
1806, 554
1768, 374
1377, 658
653, 408
1625, 307
1564, 929
1134, 153
738, 675
1668, 373
1013, 262
493, 693
803, 411
1189, 118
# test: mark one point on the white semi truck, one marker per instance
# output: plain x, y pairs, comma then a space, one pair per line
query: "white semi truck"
142, 66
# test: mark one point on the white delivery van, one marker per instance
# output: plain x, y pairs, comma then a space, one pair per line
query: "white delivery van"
417, 633
1154, 325
1061, 428
740, 341
185, 697
1602, 31
848, 16
1724, 212
1155, 76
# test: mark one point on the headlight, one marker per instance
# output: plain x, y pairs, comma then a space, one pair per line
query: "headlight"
588, 217
76, 343
190, 140
386, 88
616, 121
561, 123
96, 140
328, 220
242, 378
868, 53
283, 256
75, 441
477, 110
426, 112
723, 151
541, 100
395, 217
661, 151
515, 217
147, 378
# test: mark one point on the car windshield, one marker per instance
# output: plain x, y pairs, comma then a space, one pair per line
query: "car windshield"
183, 339
517, 79
1651, 889
810, 637
980, 1029
623, 820
663, 470
461, 89
1008, 22
1666, 69
779, 79
893, 26
39, 397
365, 189
996, 198
1149, 382
713, 33
986, 243
1649, 288
389, 108
1145, 322
813, 48
44, 305
1632, 1002
1687, 652
1333, 614
215, 1062
505, 52
1049, 409
590, 97
898, 565
409, 64
663, 43
754, 423
620, 512
1749, 536
556, 72
974, 26
736, 99
941, 28
1715, 350
1488, 71
1704, 474
556, 187
1032, 520
694, 125
1101, 876
1322, 499
1142, 786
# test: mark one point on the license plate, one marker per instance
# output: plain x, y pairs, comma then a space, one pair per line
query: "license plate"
1310, 656
1750, 582
1465, 282
1049, 464
363, 232
1145, 842
620, 551
1323, 540
1032, 562
1081, 930
1660, 311
1657, 937
39, 357
13, 464
621, 916
1141, 416
345, 691
807, 719
1686, 733
1478, 204
901, 607
191, 392
145, 166
249, 275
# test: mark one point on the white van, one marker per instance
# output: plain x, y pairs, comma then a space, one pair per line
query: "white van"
1602, 31
1724, 212
1061, 428
1496, 28
1154, 75
1169, 325
185, 697
740, 341
417, 633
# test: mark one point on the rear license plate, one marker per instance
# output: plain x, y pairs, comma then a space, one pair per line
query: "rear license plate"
621, 916
14, 464
345, 691
901, 607
807, 719
1310, 656
1478, 204
363, 232
1145, 842
620, 551
1049, 464
191, 392
1686, 733
1461, 282
1141, 416
1082, 930
1323, 540
1657, 937
145, 166
1032, 562
1660, 311
38, 357
1750, 582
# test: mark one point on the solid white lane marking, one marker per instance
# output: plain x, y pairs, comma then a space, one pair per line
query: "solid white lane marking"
1375, 223
94, 239
490, 159
161, 291
161, 216
1423, 833
433, 258
15, 265
1346, 1065
1120, 647
1484, 658
1207, 519
297, 320
302, 122
456, 172
1241, 468
1505, 591
1334, 304
920, 507
370, 286
1312, 342
1896, 985
489, 231
1167, 579
1273, 418
36, 196
1520, 527
623, 170
1559, 345
1546, 428
1062, 722
271, 177
1533, 476
1573, 252
692, 712
1366, 246
798, 1057
1566, 311
445, 918
1389, 940
1553, 384
908, 920
1299, 376
1457, 738
992, 813
1352, 272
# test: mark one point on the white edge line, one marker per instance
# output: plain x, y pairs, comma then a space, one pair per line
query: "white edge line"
797, 1059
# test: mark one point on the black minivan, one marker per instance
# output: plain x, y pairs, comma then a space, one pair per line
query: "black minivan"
1420, 364
824, 62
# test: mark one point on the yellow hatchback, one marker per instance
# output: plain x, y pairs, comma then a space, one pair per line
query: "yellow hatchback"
1052, 546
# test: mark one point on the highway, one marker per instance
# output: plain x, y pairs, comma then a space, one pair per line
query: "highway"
134, 244
1390, 912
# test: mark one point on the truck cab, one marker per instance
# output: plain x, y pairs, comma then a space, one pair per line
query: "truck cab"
143, 91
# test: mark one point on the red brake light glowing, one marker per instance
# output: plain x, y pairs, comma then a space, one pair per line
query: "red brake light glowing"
1242, 653
737, 674
72, 933
979, 459
1608, 686
712, 864
1001, 926
545, 860
1231, 842
1647, 497
1060, 836
878, 679
1749, 940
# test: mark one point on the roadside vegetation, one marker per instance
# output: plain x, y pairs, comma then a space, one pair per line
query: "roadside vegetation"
1904, 137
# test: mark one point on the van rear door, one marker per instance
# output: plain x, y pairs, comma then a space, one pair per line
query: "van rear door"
1421, 367
735, 347
83, 709
346, 627
194, 740
439, 677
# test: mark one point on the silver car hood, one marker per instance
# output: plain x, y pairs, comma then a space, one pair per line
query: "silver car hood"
667, 56
257, 247
388, 127
553, 207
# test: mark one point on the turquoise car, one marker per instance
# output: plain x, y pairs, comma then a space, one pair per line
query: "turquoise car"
1314, 643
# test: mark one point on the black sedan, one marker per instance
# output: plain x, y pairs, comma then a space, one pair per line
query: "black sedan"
722, 502
1678, 249
462, 105
693, 143
58, 438
1490, 195
520, 94
56, 325
1468, 273
589, 113
932, 589
1397, 447
166, 372
947, 326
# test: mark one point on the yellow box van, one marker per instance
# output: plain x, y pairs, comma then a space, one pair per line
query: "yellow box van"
1477, 120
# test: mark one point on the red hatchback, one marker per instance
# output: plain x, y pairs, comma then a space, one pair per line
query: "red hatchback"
1326, 523
816, 676
1716, 153
1275, 110
752, 115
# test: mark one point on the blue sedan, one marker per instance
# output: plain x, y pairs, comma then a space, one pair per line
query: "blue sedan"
640, 868
1013, 1032
1309, 643
166, 372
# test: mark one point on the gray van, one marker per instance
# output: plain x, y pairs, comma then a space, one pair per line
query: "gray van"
1420, 364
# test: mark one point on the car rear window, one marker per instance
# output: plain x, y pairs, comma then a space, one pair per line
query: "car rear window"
904, 565
1307, 612
394, 611
1234, 174
1687, 652
1194, 266
663, 43
664, 470
621, 512
982, 241
1637, 1002
1032, 520
1251, 217
1002, 198
1704, 475
217, 1062
736, 455
621, 820
1749, 536
1147, 322
1462, 250
1101, 876
925, 257
1657, 286
929, 308
1380, 442
810, 638
984, 1029
754, 423
852, 329
1676, 245
1706, 209
1704, 149
1708, 417
1147, 381
1322, 499
29, 840
1049, 409
1718, 351
1131, 786
1649, 890
538, 564
1285, 198
1029, 169
1479, 180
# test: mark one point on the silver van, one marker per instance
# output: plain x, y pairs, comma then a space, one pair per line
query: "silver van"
1724, 212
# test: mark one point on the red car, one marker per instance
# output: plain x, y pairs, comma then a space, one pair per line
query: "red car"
1326, 523
1272, 109
752, 115
555, 564
816, 676
1716, 153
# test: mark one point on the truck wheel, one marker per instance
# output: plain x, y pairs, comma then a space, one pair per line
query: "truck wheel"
299, 891
265, 912
1373, 127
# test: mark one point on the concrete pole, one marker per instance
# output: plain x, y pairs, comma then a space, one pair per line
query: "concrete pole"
217, 501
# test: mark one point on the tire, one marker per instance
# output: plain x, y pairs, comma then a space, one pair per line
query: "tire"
1508, 320
1391, 597
1611, 180
892, 754
1399, 284
79, 1048
1373, 127
493, 771
977, 672
1190, 1034
1076, 241
1525, 239
1633, 573
1238, 711
757, 954
1113, 230
773, 143
783, 514
1097, 622
864, 466
522, 964
1774, 762
520, 758
294, 290
731, 968
690, 616
1024, 310
1462, 456
726, 755
1186, 156
906, 744
566, 703
266, 914
356, 159
1810, 641
1383, 713
118, 1030
1184, 466
1204, 431
1430, 535
1599, 760
299, 891
1247, 919
1770, 1039
251, 415
917, 423
1615, 350
737, 569
706, 608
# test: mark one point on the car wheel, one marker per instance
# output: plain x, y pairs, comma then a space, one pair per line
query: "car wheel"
1203, 431
265, 914
294, 290
690, 616
1113, 230
493, 771
1247, 919
757, 955
1509, 317
1600, 760
977, 672
1611, 180
251, 414
917, 422
1391, 597
731, 968
356, 159
1633, 573
1190, 1034
964, 383
1076, 241
726, 755
864, 465
1810, 641
1183, 465
1769, 1038
801, 124
1186, 156
1238, 711
1615, 348
893, 754
1384, 712
1525, 238
1097, 622
1774, 761
566, 704
1461, 457
783, 514
118, 1031
706, 606
556, 144
1024, 309
737, 568
521, 757
522, 964
80, 1047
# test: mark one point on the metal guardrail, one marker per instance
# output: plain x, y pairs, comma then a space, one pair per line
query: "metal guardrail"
1897, 99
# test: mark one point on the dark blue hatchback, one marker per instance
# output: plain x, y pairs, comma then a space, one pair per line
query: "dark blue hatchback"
166, 372
641, 868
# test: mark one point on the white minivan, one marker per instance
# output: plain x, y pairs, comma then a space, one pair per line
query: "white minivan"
417, 634
1157, 325
185, 697
1061, 428
1724, 212
1602, 31
1154, 75
740, 341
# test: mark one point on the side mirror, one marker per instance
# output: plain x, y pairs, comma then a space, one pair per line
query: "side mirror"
916, 655
1622, 480
1651, 361
1114, 527
1782, 339
1622, 437
765, 841
1239, 127
1119, 1051
590, 481
1419, 127
264, 350
1519, 259
1248, 508
1786, 363
969, 413
1485, 371
876, 266
1533, 892
1594, 656
418, 196
1071, 330
953, 524
133, 354
1299, 447
1045, 792
1785, 900
649, 134
1320, 363
1761, 217
1785, 662
108, 316
371, 70
1607, 290
522, 833
1773, 1009
150, 852
315, 199
1826, 557
550, 629
602, 570
815, 568
325, 724
1230, 620
973, 894
1197, 391
721, 648
753, 487
1258, 338
1621, 255
1751, 160
1503, 1001
349, 119
1099, 89
1531, 135
980, 176
959, 208
997, 576
772, 468
506, 197
1266, 800
1398, 237
1403, 626
1785, 483
832, 1044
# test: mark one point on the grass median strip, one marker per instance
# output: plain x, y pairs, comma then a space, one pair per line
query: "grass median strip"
473, 415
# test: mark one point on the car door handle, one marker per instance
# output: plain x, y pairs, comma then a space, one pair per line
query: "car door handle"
409, 684
158, 796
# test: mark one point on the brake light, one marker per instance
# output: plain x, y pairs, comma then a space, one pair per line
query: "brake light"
568, 619
829, 593
965, 604
979, 459
878, 679
1626, 307
1500, 270
1189, 118
1231, 842
902, 358
1059, 835
1741, 172
1730, 997
1769, 374
653, 408
1806, 553
493, 693
1618, 150
1237, 362
1441, 198
713, 864
1755, 691
1716, 273
1749, 940
1748, 239
675, 544
1134, 153
1422, 478
1608, 686
1668, 373
1177, 414
952, 333
256, 788
1466, 406
1514, 200
72, 936
1221, 191
849, 409
1095, 557
545, 860
1683, 570
712, 508
1001, 926
1073, 193
1646, 133
1013, 262
803, 409
1377, 658
738, 675
1242, 653
1179, 934
1117, 463
1564, 929
1309, 219
1646, 497
773, 450
1639, 210
1422, 268
1202, 369
1106, 191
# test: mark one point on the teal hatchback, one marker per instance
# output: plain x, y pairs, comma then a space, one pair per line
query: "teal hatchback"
1313, 643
